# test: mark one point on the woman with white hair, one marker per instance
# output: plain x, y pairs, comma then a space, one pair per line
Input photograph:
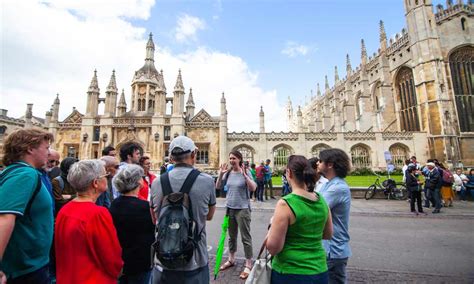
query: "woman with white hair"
87, 247
134, 226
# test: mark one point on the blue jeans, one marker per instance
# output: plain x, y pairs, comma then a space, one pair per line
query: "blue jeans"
278, 278
140, 278
462, 193
435, 197
260, 189
337, 270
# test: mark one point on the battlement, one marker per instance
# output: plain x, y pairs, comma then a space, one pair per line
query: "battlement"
400, 40
453, 10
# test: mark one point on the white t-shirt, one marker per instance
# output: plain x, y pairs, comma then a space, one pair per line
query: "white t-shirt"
319, 184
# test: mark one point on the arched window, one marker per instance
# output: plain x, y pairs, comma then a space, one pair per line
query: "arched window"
461, 63
463, 24
247, 153
317, 149
408, 103
280, 156
360, 155
399, 154
202, 154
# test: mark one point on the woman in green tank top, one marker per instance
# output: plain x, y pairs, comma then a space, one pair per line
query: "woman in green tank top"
300, 222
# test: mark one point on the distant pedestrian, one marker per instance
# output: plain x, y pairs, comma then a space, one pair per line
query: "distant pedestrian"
470, 183
268, 180
460, 180
432, 186
134, 226
334, 164
148, 178
413, 185
320, 179
239, 183
260, 174
447, 178
300, 221
86, 243
111, 167
26, 211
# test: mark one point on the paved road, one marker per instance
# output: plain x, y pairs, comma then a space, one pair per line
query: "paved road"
396, 248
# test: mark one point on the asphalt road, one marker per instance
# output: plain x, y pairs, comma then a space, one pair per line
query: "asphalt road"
398, 244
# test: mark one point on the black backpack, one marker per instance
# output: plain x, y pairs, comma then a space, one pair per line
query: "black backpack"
176, 230
3, 177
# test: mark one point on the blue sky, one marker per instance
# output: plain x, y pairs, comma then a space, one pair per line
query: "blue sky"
257, 52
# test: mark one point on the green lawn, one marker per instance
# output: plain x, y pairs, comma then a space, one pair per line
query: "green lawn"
355, 181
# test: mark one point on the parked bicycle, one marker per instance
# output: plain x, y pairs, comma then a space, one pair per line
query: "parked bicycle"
390, 188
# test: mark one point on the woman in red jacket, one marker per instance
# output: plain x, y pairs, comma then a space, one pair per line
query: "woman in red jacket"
87, 247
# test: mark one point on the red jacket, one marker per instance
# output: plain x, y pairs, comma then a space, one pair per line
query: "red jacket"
145, 190
87, 246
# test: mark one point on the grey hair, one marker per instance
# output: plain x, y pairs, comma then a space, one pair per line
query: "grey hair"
109, 161
128, 178
83, 173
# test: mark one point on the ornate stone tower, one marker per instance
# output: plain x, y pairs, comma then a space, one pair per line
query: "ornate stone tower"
190, 105
262, 120
111, 97
428, 74
223, 132
92, 97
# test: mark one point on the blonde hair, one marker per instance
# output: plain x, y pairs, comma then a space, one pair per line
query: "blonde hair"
18, 143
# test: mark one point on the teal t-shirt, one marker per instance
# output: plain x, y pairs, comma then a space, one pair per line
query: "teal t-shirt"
30, 242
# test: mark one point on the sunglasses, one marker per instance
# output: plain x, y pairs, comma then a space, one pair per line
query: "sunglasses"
53, 161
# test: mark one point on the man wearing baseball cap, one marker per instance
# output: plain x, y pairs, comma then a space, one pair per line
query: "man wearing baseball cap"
431, 185
203, 200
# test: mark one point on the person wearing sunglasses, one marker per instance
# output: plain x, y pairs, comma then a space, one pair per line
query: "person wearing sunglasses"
86, 242
111, 167
52, 166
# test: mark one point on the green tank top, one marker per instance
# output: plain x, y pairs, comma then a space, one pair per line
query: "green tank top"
303, 252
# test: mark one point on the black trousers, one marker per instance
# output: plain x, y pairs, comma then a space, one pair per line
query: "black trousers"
416, 196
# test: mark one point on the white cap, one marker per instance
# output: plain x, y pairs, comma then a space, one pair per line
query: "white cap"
431, 164
184, 143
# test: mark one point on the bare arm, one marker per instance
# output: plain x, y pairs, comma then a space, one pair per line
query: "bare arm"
210, 214
280, 223
7, 224
222, 171
328, 229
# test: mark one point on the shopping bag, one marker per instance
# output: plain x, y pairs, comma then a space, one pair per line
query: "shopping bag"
262, 268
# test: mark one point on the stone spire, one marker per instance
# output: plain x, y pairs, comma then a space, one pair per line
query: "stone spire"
55, 112
179, 83
326, 82
112, 87
94, 86
262, 120
299, 115
190, 105
318, 91
383, 37
223, 108
336, 75
150, 49
122, 104
348, 65
363, 53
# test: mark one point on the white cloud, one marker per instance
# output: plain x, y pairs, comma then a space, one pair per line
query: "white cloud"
187, 28
54, 48
293, 49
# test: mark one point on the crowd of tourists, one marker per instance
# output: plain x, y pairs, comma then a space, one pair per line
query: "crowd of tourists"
112, 220
434, 185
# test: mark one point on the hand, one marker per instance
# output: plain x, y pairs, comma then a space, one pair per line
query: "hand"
244, 172
3, 278
223, 169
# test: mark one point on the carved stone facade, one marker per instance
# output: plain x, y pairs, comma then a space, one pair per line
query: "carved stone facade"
420, 81
414, 96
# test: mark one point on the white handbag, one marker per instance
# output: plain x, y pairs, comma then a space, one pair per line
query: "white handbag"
262, 268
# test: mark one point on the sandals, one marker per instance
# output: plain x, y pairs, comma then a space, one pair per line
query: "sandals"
227, 264
244, 274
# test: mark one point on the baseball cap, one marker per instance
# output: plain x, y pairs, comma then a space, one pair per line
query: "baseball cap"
184, 143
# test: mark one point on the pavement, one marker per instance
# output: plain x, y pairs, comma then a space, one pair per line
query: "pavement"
381, 207
380, 231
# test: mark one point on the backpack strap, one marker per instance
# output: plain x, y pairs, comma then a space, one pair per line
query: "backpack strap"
165, 184
189, 181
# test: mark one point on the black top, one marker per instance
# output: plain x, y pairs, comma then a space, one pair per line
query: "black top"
411, 181
135, 232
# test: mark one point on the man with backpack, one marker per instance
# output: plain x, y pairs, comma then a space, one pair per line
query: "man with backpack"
26, 212
182, 200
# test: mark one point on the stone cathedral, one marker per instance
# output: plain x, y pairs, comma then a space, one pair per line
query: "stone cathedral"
413, 96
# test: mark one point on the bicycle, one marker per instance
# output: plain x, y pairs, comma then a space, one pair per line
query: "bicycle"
389, 187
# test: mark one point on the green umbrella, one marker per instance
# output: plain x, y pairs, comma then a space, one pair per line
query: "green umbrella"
220, 248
